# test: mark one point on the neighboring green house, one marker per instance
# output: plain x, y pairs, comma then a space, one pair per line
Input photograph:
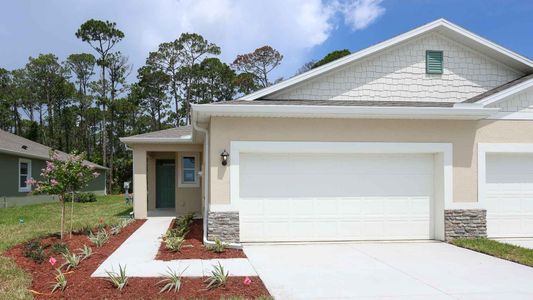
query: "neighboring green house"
22, 159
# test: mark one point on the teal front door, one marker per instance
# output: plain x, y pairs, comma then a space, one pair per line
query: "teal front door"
165, 183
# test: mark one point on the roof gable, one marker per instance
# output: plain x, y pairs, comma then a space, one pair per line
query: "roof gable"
441, 26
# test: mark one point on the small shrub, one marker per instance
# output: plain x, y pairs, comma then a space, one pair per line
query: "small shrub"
218, 247
178, 232
100, 238
84, 197
172, 281
59, 248
35, 251
115, 229
86, 252
60, 281
184, 221
71, 260
119, 280
218, 277
125, 222
174, 243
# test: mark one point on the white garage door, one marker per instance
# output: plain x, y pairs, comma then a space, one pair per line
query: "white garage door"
509, 194
326, 197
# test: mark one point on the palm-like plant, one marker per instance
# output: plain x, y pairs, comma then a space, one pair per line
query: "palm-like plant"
218, 277
61, 281
172, 281
119, 280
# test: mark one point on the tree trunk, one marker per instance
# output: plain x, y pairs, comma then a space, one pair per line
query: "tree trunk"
62, 200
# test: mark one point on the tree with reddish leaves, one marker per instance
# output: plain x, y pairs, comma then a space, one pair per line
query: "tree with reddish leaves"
258, 63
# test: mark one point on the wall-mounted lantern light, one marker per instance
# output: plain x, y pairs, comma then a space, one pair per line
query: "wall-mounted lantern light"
224, 156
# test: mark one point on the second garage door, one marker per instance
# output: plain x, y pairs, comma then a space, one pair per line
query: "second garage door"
509, 194
332, 197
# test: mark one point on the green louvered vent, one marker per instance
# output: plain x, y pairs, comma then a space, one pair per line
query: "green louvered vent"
434, 63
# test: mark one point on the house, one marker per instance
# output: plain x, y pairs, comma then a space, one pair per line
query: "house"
427, 135
22, 159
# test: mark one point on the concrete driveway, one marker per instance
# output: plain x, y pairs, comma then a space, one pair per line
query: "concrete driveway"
421, 270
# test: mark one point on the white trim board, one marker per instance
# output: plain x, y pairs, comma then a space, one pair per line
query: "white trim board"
443, 163
28, 175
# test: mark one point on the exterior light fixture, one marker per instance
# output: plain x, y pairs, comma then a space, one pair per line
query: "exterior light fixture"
224, 155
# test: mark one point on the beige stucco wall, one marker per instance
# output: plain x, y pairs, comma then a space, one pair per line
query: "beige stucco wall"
188, 199
464, 135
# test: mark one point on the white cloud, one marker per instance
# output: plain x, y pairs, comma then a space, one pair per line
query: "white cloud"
294, 27
358, 14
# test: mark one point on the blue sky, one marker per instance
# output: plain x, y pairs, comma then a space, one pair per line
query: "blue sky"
302, 30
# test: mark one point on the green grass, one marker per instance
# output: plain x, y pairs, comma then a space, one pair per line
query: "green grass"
40, 220
513, 253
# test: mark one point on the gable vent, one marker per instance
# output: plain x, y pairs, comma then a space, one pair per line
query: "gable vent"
434, 62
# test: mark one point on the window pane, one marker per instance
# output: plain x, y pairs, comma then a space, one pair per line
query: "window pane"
188, 162
188, 176
23, 179
23, 168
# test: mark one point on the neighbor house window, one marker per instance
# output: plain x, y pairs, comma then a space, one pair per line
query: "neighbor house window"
188, 170
24, 175
434, 62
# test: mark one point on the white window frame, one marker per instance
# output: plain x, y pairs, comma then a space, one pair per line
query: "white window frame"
28, 176
196, 182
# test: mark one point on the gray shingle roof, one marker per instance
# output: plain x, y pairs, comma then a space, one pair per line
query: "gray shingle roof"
17, 145
178, 132
498, 89
340, 103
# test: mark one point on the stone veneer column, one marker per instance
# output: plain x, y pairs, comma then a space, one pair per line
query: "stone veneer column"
223, 225
465, 223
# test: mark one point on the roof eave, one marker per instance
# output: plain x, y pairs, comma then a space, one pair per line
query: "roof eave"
155, 140
205, 111
40, 157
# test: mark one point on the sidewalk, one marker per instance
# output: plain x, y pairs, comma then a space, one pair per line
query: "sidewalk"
137, 253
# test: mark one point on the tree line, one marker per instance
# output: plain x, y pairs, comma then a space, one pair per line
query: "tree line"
85, 103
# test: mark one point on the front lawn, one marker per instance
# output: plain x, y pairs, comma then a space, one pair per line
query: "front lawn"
40, 220
510, 252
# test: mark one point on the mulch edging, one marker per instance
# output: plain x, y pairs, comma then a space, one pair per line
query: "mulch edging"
80, 284
194, 247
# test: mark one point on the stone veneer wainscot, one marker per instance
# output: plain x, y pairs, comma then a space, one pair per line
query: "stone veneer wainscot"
465, 223
223, 225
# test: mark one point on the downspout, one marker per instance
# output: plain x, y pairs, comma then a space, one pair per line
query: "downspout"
206, 187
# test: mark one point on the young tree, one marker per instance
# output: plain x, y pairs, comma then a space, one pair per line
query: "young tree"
151, 90
102, 36
258, 63
62, 177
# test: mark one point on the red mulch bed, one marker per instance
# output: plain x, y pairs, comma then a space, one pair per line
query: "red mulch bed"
194, 248
81, 286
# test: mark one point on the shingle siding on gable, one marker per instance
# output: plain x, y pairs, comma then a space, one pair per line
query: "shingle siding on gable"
399, 74
521, 102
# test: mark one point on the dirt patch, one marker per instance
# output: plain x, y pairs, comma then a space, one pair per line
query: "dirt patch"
194, 248
81, 286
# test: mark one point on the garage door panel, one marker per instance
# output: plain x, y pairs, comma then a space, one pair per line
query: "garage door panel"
312, 197
509, 194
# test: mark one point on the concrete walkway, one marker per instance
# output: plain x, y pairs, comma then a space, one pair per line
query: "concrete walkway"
137, 253
417, 270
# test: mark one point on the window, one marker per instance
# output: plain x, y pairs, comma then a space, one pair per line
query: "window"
434, 62
24, 174
188, 170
